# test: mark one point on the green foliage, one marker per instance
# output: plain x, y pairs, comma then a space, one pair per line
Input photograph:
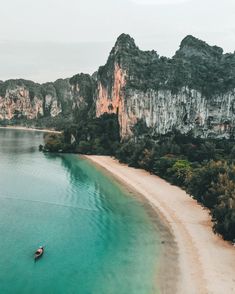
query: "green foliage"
84, 147
62, 92
101, 135
53, 142
196, 65
147, 159
201, 166
33, 88
224, 211
180, 172
162, 165
201, 182
92, 136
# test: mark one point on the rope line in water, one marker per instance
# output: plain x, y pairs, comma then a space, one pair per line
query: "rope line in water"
61, 205
50, 203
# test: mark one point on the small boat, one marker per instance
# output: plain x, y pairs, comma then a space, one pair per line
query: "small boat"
39, 253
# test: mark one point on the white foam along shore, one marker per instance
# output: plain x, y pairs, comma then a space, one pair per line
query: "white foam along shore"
206, 263
30, 129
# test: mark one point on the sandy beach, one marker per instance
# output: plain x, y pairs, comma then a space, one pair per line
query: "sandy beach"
205, 262
30, 129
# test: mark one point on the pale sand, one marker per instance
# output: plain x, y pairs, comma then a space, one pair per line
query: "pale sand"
30, 129
206, 263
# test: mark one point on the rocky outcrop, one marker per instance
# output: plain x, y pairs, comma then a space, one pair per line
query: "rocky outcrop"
113, 101
187, 111
21, 99
26, 100
52, 105
17, 104
192, 92
82, 89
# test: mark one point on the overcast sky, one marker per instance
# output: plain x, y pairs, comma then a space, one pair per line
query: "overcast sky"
43, 40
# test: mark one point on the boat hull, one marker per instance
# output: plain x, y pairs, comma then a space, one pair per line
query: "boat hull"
37, 256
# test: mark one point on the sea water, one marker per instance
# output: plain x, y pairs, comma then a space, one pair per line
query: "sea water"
98, 238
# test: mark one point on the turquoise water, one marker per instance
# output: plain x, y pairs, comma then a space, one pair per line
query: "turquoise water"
98, 239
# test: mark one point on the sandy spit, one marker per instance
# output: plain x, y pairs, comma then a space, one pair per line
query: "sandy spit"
205, 263
30, 129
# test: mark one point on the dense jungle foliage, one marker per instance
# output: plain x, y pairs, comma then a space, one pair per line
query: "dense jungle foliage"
92, 136
203, 167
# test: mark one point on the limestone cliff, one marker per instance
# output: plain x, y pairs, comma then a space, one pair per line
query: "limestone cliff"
17, 103
193, 91
22, 100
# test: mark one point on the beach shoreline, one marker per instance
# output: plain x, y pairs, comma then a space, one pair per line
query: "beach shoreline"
168, 253
205, 263
30, 129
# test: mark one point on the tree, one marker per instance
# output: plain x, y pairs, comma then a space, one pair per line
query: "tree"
179, 172
224, 211
202, 179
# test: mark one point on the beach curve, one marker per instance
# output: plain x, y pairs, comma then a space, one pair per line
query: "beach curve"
206, 263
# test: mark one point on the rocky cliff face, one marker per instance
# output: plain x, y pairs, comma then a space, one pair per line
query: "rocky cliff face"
26, 100
185, 111
17, 103
192, 92
21, 99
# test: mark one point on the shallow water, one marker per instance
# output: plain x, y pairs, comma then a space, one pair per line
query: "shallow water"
98, 239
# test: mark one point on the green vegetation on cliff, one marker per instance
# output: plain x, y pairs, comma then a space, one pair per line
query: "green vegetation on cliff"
196, 65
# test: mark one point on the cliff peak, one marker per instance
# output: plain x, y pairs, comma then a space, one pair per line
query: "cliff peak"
190, 40
125, 42
191, 45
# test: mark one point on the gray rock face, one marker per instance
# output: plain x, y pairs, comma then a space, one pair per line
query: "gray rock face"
185, 111
163, 111
52, 105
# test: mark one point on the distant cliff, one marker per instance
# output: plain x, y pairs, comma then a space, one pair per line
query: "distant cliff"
25, 101
192, 92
